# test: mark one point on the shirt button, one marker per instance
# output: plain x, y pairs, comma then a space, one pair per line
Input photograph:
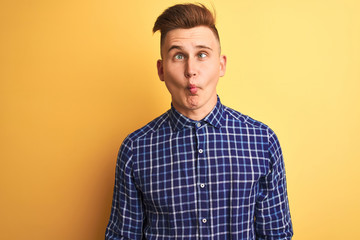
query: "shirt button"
204, 220
198, 124
201, 151
202, 185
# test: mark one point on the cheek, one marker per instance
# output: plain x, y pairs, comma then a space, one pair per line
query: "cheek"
213, 73
173, 77
172, 84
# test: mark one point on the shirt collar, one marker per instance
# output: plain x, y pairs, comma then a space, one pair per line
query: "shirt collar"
214, 118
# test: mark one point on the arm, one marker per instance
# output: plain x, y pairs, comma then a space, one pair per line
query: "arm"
126, 219
272, 214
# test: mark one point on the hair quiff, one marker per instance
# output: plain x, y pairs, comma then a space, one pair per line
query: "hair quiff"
185, 16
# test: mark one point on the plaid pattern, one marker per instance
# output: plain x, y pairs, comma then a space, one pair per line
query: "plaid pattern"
219, 178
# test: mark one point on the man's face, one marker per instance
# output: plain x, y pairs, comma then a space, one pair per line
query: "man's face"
191, 67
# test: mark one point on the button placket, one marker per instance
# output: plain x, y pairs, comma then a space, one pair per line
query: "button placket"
202, 178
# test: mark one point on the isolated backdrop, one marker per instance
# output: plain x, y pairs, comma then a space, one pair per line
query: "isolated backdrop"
77, 76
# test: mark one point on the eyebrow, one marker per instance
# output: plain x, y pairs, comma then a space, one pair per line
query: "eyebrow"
198, 46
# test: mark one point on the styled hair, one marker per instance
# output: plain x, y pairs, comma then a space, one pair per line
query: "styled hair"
185, 16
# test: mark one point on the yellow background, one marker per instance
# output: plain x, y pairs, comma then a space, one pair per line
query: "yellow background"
77, 76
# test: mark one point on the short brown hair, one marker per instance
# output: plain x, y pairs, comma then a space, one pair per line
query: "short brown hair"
185, 16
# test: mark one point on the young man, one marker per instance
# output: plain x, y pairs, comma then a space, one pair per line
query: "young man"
200, 170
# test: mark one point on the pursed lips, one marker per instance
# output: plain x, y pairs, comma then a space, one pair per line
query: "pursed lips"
193, 88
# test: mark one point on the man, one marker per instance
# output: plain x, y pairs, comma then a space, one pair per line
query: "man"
201, 170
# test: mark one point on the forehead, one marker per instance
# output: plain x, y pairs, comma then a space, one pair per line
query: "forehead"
200, 35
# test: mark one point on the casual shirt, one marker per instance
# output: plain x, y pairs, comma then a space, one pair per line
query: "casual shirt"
219, 178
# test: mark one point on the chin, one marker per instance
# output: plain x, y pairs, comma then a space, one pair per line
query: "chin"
193, 103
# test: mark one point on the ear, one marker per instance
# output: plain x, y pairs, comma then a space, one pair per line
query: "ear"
223, 60
160, 69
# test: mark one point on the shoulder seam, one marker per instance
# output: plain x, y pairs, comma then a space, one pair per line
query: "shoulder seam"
245, 119
158, 122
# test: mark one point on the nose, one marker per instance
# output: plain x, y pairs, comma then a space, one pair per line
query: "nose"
190, 68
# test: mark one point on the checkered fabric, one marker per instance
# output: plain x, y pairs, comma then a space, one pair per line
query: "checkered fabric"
219, 178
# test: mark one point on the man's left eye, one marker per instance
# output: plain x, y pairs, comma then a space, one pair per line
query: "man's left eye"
202, 55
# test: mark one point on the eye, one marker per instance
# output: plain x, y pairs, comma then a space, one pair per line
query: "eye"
179, 56
202, 55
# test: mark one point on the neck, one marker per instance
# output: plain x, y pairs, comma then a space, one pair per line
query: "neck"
197, 114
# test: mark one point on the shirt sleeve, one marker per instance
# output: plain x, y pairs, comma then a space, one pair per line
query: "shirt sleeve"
126, 219
272, 214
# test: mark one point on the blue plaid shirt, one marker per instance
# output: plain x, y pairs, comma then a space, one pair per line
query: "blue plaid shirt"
219, 178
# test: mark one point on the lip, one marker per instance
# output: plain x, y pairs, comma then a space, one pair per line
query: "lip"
193, 89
